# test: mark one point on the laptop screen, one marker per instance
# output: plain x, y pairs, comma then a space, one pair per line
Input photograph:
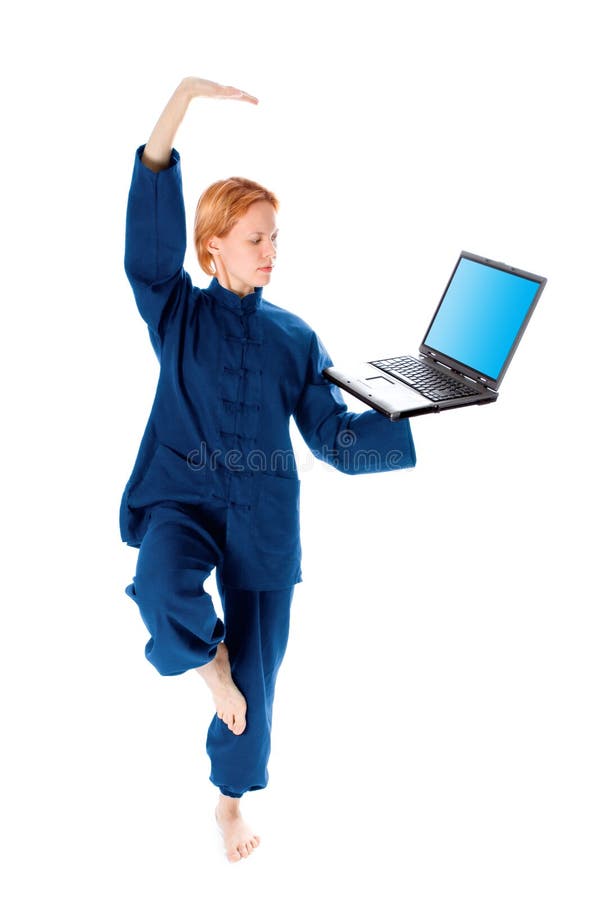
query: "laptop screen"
481, 315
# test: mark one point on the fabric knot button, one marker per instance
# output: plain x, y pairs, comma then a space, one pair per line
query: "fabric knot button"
240, 405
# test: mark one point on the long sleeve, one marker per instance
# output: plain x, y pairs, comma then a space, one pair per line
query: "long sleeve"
354, 443
155, 242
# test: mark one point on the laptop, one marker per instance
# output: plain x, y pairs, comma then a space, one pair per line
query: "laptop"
466, 349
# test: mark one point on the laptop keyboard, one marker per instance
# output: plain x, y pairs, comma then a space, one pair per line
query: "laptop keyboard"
432, 384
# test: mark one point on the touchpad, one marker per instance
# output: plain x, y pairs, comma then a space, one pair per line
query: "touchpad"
379, 379
396, 392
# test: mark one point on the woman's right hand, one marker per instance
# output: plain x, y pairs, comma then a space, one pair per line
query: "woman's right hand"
200, 87
157, 153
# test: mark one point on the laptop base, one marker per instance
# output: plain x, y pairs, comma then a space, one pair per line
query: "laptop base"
391, 397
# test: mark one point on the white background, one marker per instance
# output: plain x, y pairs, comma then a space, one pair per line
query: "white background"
436, 727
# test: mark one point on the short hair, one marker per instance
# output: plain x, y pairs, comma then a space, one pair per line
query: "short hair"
220, 207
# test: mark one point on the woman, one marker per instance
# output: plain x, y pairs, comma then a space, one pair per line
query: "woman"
215, 481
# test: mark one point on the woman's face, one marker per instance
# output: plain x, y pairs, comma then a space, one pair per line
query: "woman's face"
244, 258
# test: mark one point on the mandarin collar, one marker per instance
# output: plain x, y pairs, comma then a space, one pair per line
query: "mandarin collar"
249, 303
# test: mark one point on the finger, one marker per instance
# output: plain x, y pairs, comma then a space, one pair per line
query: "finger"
233, 93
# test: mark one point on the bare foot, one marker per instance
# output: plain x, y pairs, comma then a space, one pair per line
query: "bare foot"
240, 840
229, 700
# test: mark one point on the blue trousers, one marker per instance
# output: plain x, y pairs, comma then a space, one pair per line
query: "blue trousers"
179, 551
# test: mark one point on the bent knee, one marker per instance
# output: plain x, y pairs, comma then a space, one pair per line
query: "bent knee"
164, 585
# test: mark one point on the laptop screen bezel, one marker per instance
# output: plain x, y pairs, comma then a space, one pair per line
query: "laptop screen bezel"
482, 377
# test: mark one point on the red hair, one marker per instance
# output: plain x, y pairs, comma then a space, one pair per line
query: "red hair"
220, 207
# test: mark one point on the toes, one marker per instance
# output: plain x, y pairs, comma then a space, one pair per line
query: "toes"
241, 849
236, 724
239, 725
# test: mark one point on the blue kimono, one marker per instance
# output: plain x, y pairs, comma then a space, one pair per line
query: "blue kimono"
215, 477
232, 372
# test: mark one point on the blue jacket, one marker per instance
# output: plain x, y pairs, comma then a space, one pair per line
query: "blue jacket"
232, 372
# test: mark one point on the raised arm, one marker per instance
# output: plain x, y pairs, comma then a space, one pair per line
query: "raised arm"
157, 153
155, 234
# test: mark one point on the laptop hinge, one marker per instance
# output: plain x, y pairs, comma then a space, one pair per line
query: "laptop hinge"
445, 366
479, 379
484, 382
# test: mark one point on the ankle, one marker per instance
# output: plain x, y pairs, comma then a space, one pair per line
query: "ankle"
212, 671
208, 671
228, 806
221, 657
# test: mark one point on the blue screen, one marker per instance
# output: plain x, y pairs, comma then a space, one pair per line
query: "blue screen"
480, 316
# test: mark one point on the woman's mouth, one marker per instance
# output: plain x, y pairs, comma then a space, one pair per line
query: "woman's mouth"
266, 269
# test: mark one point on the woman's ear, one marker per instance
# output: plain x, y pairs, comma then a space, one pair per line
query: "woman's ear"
212, 245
